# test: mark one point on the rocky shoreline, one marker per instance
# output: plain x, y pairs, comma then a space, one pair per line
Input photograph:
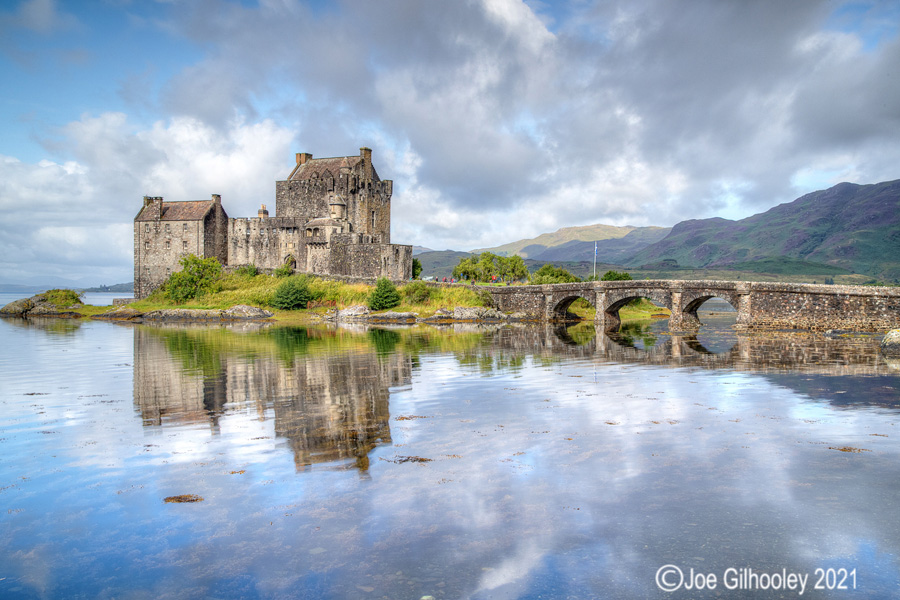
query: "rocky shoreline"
37, 306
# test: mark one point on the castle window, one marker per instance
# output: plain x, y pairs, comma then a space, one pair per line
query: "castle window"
184, 245
168, 271
146, 245
185, 226
373, 221
167, 244
168, 228
147, 228
309, 233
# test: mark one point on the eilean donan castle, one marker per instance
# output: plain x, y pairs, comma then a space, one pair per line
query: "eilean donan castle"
332, 217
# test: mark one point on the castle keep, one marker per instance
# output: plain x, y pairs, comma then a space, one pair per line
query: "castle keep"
332, 217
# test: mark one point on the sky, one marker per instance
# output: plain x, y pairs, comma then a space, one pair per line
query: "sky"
497, 120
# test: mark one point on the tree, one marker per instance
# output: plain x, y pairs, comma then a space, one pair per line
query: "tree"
552, 274
512, 268
416, 268
467, 268
616, 276
292, 293
487, 266
385, 295
197, 276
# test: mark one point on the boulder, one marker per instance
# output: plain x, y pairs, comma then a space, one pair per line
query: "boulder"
890, 345
122, 313
243, 311
477, 313
394, 317
351, 313
48, 310
18, 308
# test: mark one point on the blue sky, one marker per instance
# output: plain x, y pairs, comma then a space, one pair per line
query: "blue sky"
496, 119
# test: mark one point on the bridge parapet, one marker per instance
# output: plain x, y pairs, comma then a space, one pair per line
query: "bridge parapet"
759, 304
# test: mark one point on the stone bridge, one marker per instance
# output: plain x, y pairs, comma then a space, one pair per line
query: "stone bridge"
758, 305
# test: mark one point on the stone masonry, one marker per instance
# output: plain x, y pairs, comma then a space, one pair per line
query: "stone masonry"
759, 305
333, 217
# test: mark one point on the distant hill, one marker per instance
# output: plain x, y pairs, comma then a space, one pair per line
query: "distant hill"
420, 249
614, 251
440, 263
529, 248
117, 288
847, 227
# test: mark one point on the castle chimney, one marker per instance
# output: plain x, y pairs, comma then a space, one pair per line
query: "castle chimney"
263, 213
366, 155
303, 158
217, 198
155, 202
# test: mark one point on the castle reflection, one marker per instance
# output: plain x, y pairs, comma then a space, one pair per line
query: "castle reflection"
328, 391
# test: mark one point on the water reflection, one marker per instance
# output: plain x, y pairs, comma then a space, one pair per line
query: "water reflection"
554, 464
328, 392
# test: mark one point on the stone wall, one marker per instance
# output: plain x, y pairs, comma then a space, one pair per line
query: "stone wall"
265, 242
820, 307
759, 305
160, 244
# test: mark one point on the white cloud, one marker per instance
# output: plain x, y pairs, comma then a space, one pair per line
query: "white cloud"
75, 218
493, 125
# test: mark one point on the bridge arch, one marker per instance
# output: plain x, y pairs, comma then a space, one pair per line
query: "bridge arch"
614, 300
691, 301
559, 310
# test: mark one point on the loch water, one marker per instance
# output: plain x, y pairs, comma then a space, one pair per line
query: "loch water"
467, 462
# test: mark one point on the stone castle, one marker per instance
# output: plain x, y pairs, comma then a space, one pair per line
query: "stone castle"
332, 217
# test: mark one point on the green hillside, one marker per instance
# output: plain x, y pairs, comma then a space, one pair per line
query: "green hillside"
587, 233
854, 228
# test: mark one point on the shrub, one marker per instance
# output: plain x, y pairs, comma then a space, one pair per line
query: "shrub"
293, 293
285, 270
552, 274
416, 292
197, 276
416, 268
616, 276
385, 295
61, 298
247, 270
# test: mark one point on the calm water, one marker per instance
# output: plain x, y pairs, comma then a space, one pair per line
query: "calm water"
473, 463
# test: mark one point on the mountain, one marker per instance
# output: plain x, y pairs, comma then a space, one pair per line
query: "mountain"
587, 233
440, 263
420, 249
848, 226
615, 250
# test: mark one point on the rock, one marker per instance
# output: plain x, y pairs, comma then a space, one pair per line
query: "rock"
243, 311
890, 345
48, 310
394, 317
351, 313
17, 308
477, 313
123, 313
184, 314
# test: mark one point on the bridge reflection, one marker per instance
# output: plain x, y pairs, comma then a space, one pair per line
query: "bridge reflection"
325, 392
795, 352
